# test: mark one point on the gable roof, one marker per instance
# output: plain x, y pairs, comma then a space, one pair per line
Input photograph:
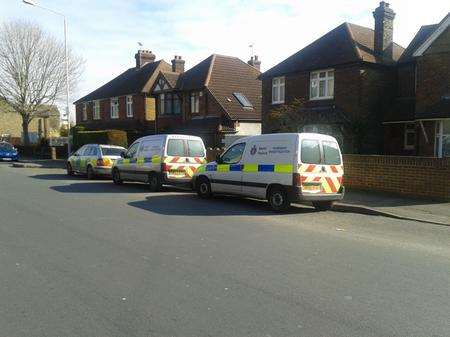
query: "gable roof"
441, 27
420, 37
346, 43
131, 81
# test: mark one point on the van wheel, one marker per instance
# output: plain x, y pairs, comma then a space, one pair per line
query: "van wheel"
322, 205
90, 172
278, 199
154, 181
69, 170
203, 187
116, 177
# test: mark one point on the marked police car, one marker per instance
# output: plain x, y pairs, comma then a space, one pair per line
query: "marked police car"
161, 159
282, 168
94, 160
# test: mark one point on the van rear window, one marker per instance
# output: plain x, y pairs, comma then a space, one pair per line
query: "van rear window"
195, 148
331, 153
175, 147
310, 152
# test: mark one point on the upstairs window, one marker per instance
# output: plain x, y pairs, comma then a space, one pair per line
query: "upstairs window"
195, 102
84, 112
96, 114
169, 104
243, 100
321, 84
114, 108
278, 90
161, 104
129, 101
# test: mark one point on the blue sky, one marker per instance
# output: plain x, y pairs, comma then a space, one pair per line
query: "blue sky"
105, 33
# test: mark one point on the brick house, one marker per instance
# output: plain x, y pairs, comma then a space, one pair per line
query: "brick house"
418, 123
345, 79
125, 102
218, 99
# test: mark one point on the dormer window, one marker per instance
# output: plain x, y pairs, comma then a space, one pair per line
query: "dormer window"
321, 84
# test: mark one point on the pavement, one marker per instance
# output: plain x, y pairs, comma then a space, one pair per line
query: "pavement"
88, 258
363, 202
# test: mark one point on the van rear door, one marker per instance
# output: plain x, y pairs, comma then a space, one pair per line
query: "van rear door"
183, 157
321, 166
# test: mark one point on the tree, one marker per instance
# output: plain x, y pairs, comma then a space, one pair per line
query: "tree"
32, 69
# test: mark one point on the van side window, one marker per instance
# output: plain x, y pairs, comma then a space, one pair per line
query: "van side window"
132, 151
175, 147
310, 152
331, 153
233, 154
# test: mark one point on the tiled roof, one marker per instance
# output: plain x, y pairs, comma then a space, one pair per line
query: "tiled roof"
423, 34
346, 43
171, 77
132, 81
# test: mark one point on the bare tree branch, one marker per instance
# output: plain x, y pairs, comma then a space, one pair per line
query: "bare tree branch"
32, 69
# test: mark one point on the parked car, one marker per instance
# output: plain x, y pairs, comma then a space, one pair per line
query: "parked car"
161, 159
282, 168
94, 160
8, 152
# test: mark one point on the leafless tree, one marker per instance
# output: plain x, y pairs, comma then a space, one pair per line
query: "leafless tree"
32, 69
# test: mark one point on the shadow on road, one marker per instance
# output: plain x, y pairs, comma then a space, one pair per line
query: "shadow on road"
191, 205
55, 176
100, 187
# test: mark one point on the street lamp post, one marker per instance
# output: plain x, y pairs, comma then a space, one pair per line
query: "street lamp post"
66, 61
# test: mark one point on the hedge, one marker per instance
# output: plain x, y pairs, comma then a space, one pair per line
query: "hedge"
111, 137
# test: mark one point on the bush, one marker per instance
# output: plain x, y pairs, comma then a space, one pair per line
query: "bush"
111, 137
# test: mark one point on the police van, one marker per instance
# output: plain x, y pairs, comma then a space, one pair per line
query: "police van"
282, 168
160, 159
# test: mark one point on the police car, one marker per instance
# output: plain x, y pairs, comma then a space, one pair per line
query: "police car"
282, 168
94, 160
161, 159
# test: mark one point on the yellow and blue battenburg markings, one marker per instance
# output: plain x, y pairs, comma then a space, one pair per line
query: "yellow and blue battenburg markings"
246, 168
140, 160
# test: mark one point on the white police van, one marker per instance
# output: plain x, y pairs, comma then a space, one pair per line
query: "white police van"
282, 168
160, 159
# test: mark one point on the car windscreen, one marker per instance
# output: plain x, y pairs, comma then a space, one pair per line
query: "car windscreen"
331, 154
112, 151
175, 147
6, 146
195, 148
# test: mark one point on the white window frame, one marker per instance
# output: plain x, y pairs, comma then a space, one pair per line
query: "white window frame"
278, 90
315, 82
407, 131
129, 105
84, 112
440, 135
114, 113
195, 102
96, 110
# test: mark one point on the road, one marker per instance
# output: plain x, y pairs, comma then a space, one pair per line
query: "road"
88, 258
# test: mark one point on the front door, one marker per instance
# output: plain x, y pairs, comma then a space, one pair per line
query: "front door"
226, 176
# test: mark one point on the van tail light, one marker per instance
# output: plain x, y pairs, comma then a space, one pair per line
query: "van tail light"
164, 168
104, 162
297, 179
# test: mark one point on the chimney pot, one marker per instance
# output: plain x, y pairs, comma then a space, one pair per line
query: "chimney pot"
143, 57
384, 31
254, 62
178, 64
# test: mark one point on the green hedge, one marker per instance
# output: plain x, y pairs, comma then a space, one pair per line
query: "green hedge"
111, 137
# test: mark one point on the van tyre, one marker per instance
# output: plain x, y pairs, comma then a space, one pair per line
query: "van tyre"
322, 205
116, 177
90, 172
278, 199
154, 182
69, 170
203, 187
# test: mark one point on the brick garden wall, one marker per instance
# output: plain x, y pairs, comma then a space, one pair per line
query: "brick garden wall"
413, 176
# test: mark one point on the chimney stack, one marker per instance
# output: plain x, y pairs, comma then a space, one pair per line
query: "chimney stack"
143, 57
255, 62
384, 31
178, 64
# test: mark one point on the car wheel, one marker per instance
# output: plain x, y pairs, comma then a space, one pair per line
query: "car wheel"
154, 181
116, 177
90, 172
322, 205
69, 170
203, 187
278, 199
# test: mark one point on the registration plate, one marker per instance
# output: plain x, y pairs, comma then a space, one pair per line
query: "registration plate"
311, 188
6, 159
177, 173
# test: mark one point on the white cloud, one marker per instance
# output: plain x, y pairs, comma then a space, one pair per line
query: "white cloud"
106, 33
